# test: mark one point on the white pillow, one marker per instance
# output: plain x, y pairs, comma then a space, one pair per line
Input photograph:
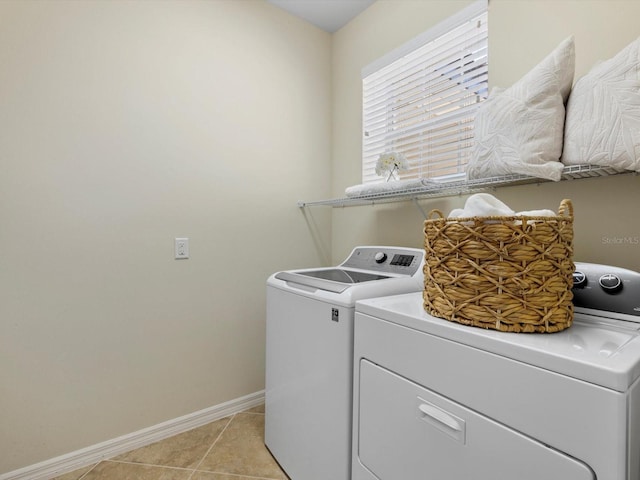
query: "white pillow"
519, 130
603, 114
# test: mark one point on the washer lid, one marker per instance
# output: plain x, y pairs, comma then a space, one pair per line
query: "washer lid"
595, 349
331, 279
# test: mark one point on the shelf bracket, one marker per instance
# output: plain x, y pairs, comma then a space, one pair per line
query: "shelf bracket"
419, 207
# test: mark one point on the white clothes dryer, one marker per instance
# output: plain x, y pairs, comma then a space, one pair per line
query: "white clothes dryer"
436, 399
309, 357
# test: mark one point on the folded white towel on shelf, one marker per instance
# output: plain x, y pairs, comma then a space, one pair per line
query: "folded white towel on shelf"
486, 205
385, 187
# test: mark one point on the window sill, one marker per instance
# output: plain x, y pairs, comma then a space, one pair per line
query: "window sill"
462, 187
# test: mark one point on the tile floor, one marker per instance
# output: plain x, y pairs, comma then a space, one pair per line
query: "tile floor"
228, 449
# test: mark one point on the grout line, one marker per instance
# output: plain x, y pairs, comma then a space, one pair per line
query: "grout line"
88, 471
212, 445
235, 475
148, 465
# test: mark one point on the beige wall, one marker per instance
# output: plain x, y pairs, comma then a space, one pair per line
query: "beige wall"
124, 124
521, 33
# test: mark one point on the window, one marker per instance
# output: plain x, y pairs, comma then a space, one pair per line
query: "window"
420, 100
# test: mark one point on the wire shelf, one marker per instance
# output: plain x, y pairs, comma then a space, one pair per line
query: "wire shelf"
462, 187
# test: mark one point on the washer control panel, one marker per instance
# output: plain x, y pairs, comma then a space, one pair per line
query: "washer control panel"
606, 288
407, 261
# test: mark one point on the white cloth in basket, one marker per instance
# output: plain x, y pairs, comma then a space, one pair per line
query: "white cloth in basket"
486, 205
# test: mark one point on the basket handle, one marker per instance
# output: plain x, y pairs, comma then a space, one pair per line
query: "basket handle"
565, 208
433, 212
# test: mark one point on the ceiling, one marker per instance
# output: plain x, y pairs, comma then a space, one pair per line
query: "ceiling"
329, 15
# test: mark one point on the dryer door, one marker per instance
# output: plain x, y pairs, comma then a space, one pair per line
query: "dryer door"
409, 432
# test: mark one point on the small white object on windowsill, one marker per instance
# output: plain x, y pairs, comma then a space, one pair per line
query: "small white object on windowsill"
391, 162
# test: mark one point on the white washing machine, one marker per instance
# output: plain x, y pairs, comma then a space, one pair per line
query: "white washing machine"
309, 359
435, 399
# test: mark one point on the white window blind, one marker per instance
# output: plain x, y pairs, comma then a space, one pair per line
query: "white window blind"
420, 100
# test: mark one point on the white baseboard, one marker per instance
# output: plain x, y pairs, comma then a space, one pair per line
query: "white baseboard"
100, 451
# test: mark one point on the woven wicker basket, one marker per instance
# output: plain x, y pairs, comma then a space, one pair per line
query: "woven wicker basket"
512, 274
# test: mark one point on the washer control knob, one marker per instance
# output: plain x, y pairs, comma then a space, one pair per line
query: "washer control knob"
579, 279
380, 257
610, 283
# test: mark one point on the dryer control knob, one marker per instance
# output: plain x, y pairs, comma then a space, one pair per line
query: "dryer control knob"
380, 257
579, 279
610, 283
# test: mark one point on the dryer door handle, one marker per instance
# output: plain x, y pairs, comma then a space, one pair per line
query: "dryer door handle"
440, 416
